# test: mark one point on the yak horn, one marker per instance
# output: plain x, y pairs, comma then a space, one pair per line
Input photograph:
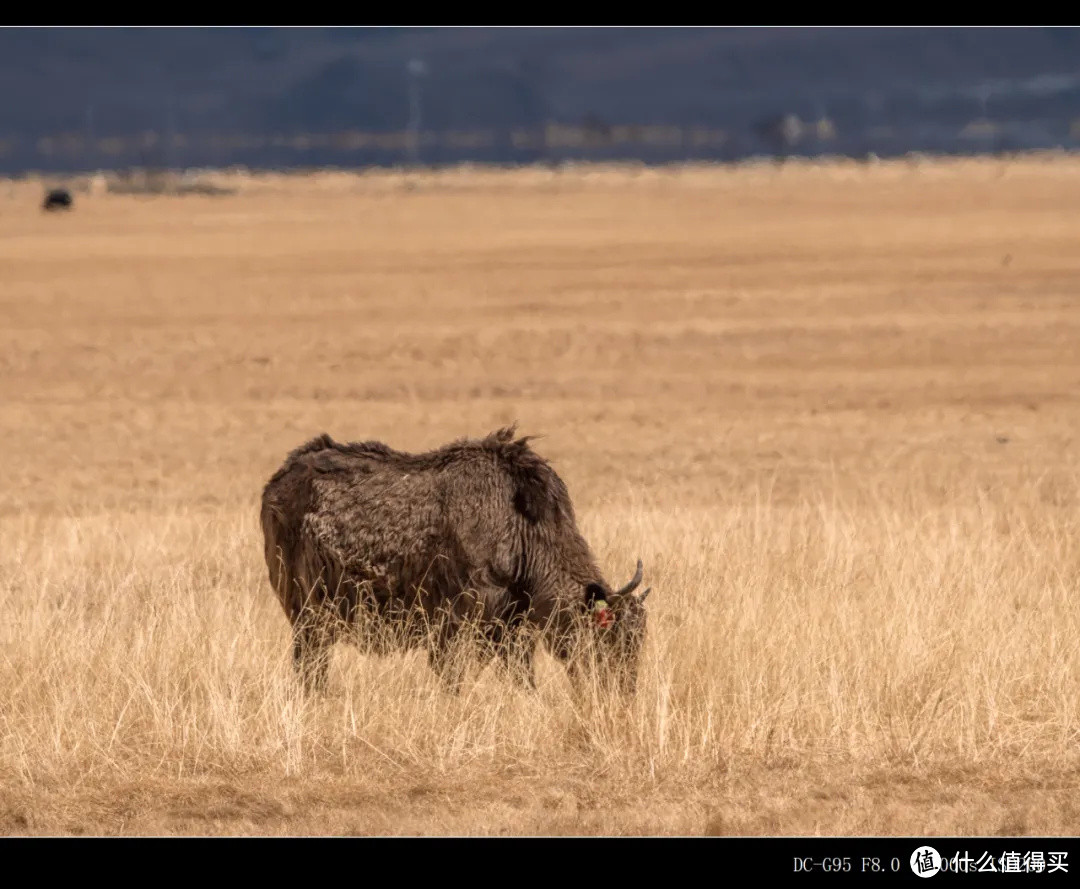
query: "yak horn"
641, 598
634, 581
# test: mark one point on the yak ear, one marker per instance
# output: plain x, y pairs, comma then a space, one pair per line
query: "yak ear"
534, 492
530, 502
593, 592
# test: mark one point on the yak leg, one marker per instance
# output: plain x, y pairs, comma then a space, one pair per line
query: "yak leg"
445, 659
516, 650
563, 647
311, 653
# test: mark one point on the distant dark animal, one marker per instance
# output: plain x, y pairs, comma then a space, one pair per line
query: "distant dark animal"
406, 550
57, 199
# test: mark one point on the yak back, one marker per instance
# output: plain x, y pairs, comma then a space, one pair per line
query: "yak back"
539, 493
483, 503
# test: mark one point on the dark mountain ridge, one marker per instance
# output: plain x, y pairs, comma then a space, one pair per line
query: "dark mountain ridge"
91, 97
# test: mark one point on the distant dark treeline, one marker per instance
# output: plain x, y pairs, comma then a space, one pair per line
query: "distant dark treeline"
555, 143
87, 98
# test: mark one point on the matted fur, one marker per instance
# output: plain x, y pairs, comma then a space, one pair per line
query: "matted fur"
406, 549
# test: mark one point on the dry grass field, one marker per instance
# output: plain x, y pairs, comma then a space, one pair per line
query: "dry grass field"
833, 407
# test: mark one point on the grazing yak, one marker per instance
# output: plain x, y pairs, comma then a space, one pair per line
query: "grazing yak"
405, 550
57, 199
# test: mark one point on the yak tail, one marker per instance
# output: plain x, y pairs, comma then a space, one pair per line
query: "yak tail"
275, 549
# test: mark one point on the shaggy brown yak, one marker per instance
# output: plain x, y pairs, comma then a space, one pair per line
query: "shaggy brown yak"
405, 550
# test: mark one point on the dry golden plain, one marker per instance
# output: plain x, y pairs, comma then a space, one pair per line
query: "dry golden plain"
832, 406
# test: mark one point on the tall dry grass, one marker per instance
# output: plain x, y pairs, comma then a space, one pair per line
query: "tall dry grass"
854, 627
832, 409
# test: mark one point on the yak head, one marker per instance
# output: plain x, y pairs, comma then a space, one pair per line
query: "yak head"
617, 619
